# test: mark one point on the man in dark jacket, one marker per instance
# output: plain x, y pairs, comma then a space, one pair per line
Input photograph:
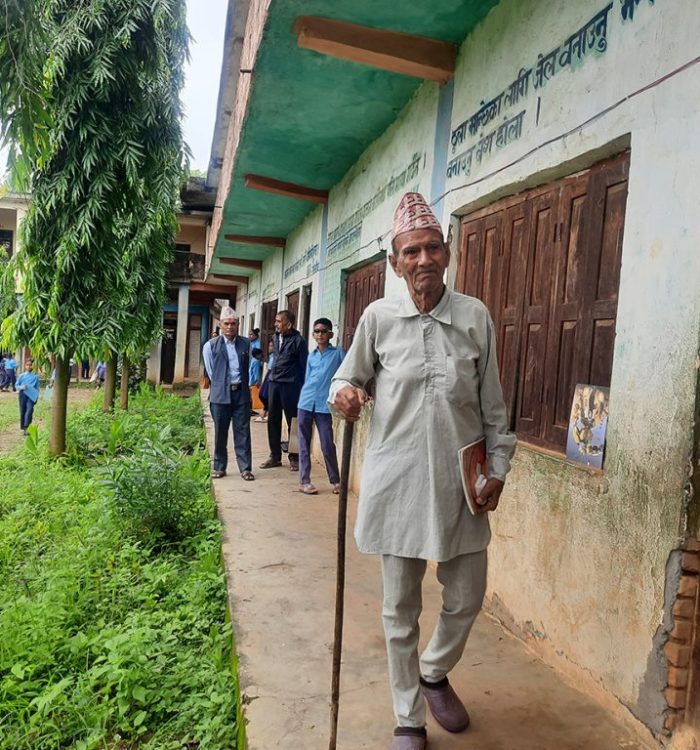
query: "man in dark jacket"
226, 359
285, 382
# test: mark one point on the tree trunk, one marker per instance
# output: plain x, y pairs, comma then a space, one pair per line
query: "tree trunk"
59, 407
110, 383
124, 385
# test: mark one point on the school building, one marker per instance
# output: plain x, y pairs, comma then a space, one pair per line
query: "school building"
558, 142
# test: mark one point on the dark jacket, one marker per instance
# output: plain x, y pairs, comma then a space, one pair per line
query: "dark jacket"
290, 362
220, 392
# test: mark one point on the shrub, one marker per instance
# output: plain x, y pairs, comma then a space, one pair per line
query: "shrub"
109, 641
159, 494
154, 417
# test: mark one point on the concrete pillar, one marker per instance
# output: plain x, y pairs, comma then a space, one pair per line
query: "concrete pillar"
153, 364
183, 305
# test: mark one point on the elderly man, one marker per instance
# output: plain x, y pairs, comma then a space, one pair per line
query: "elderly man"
226, 359
432, 354
286, 379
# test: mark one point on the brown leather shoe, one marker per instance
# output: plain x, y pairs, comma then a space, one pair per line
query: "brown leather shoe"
445, 706
270, 463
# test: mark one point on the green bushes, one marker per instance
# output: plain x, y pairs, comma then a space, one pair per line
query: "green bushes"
153, 417
113, 610
158, 493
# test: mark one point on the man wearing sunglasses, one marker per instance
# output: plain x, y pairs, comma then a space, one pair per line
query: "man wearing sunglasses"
313, 407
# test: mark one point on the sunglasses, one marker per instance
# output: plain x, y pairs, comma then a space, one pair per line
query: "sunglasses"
321, 330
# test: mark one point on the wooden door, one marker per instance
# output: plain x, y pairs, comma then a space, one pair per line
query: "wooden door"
267, 325
306, 313
167, 350
363, 286
293, 306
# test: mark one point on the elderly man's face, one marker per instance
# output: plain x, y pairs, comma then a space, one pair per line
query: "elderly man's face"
420, 258
229, 327
282, 324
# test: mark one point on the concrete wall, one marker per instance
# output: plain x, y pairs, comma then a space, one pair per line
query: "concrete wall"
8, 219
194, 235
594, 549
581, 563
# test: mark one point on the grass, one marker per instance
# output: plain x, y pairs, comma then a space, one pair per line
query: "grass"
114, 634
9, 409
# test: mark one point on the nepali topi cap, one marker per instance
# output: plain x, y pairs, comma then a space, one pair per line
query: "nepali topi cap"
413, 212
227, 313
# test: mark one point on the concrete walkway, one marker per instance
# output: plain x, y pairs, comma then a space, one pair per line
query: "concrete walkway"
279, 549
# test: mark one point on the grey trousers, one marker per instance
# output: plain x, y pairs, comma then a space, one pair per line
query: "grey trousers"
463, 582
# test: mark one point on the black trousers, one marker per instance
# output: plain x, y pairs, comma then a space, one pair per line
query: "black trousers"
238, 413
282, 398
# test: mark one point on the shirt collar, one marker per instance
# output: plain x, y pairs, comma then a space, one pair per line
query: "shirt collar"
442, 312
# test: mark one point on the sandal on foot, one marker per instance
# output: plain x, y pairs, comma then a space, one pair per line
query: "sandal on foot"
248, 476
336, 488
217, 473
308, 489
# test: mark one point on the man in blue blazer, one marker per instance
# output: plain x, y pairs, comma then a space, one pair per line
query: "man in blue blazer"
226, 359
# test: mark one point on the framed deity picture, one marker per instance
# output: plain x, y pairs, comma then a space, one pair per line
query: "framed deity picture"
588, 425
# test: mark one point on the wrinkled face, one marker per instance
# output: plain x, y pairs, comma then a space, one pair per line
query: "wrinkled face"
282, 324
420, 258
229, 327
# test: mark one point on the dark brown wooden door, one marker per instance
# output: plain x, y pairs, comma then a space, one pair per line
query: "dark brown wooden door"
167, 350
306, 312
293, 306
363, 286
267, 325
547, 265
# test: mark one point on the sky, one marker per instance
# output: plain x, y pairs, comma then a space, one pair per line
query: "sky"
207, 22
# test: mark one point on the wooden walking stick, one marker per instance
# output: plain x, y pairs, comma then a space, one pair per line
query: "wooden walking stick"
340, 580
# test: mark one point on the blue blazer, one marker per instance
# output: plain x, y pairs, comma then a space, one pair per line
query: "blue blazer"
220, 392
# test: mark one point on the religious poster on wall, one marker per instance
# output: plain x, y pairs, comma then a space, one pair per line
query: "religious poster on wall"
588, 424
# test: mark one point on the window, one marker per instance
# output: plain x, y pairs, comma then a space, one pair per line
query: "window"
363, 286
547, 265
6, 241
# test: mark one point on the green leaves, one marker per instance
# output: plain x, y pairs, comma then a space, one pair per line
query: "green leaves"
108, 641
89, 94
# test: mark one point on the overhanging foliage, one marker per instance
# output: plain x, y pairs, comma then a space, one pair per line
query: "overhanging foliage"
90, 98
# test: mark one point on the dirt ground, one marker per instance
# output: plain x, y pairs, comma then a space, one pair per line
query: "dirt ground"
11, 436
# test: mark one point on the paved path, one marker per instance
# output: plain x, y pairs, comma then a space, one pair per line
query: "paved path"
279, 549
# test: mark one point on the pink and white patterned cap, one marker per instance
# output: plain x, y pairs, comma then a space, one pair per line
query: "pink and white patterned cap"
413, 212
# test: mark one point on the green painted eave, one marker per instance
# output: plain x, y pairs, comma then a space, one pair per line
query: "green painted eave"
310, 116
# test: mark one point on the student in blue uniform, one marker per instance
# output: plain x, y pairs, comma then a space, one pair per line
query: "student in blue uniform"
28, 386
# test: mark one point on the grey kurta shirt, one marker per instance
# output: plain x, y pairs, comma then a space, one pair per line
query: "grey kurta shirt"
437, 389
